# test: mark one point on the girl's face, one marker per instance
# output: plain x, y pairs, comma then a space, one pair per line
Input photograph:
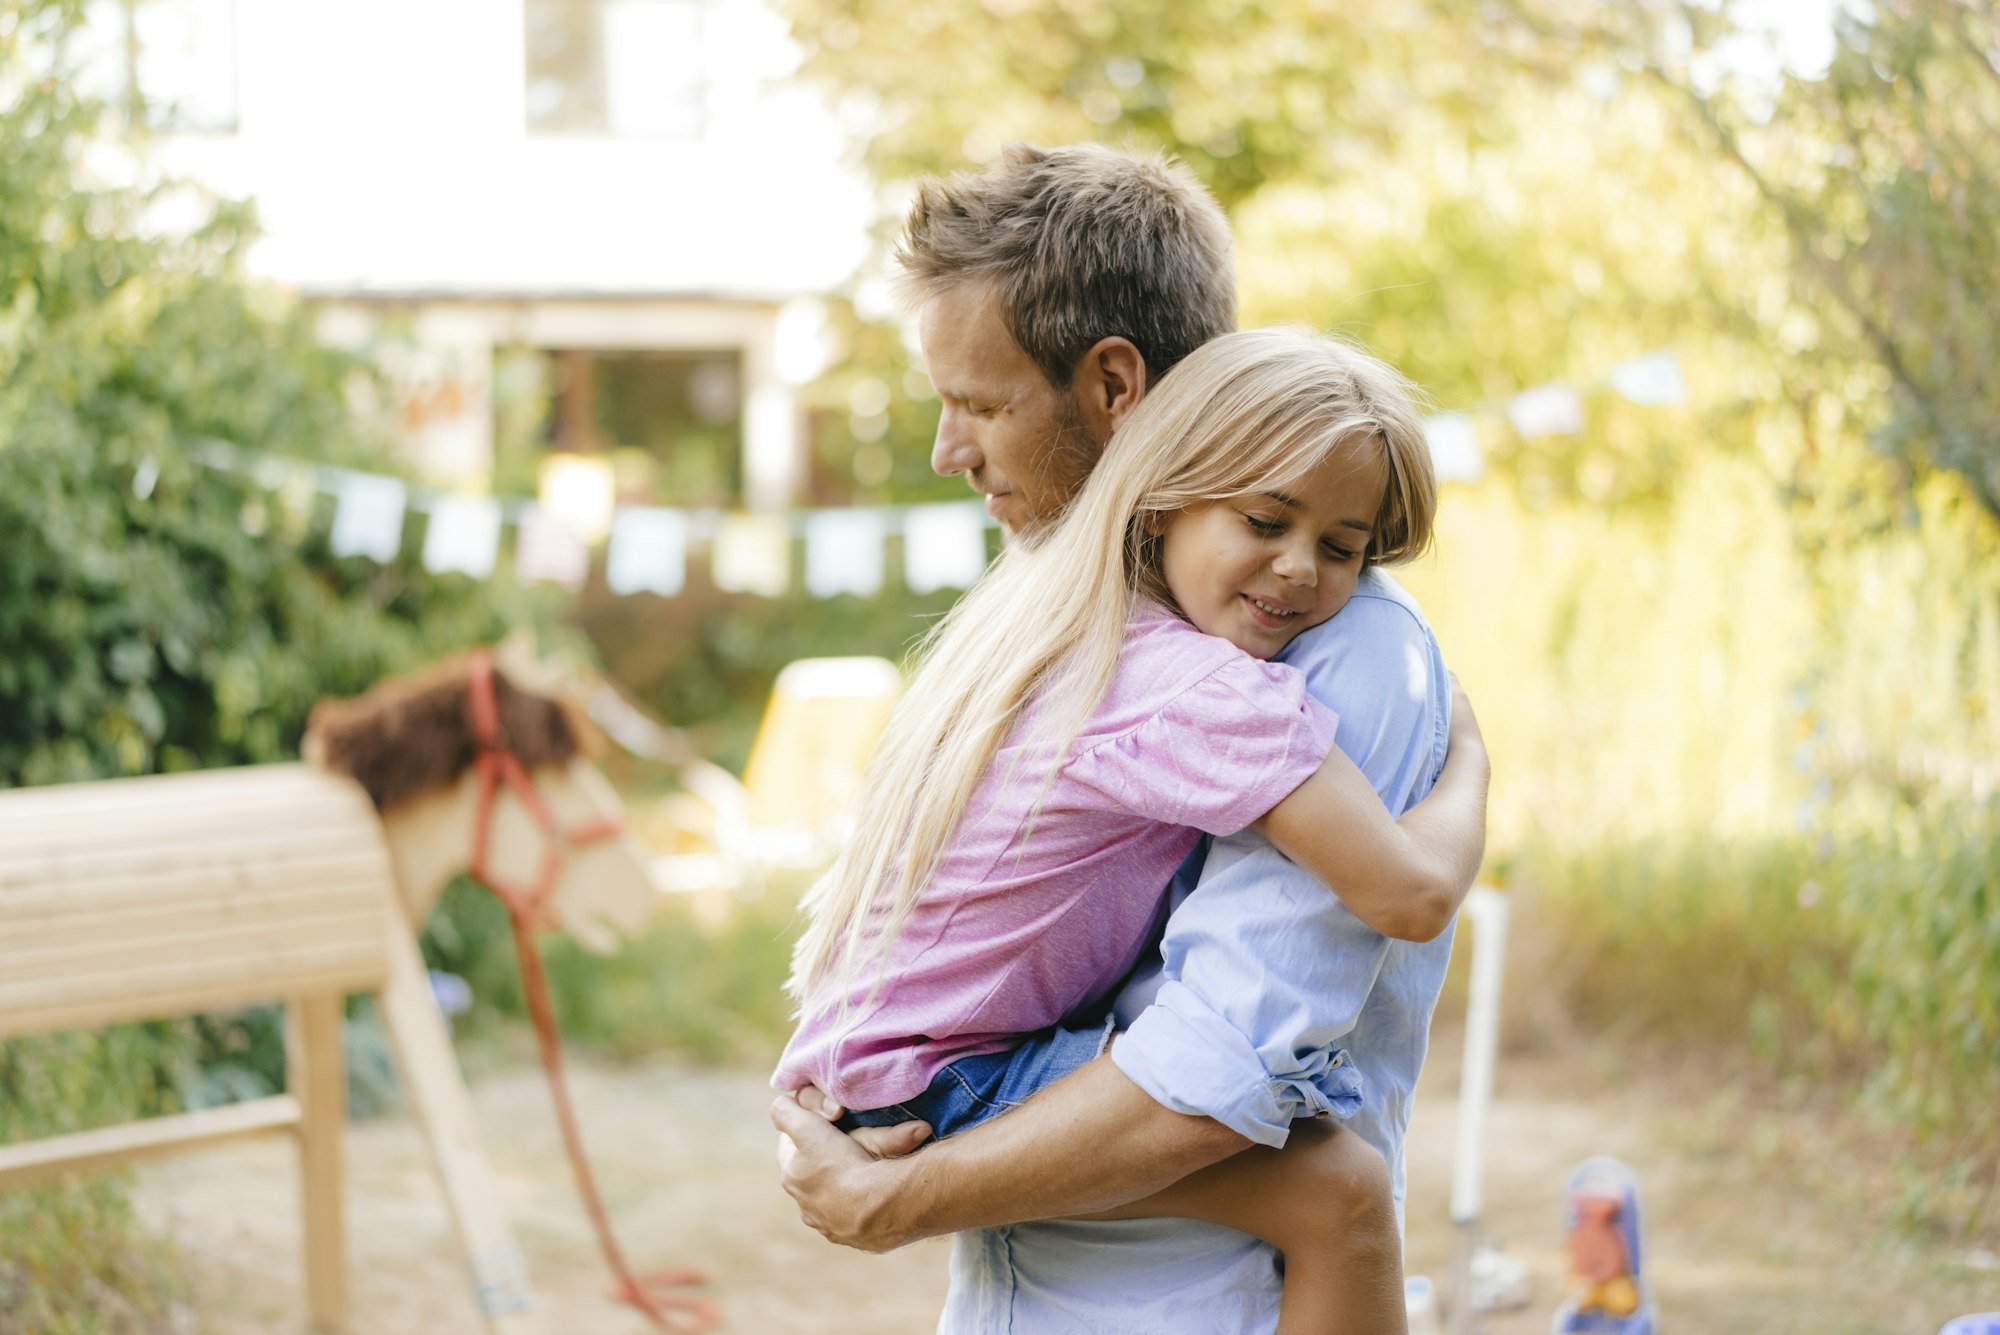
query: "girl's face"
1259, 568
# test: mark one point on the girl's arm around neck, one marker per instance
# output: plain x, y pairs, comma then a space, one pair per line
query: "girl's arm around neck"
1403, 878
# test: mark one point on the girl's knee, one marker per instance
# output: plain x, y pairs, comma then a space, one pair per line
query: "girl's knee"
1350, 1181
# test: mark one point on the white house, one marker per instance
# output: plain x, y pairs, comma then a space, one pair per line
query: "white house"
566, 224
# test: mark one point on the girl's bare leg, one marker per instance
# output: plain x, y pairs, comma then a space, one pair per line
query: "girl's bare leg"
1326, 1202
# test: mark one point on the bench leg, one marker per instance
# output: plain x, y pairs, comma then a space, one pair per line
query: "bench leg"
317, 1078
437, 1095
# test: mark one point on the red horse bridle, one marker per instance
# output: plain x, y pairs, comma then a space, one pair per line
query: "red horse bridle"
498, 766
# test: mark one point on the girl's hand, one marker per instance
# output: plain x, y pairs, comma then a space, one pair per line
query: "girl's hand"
1464, 724
813, 1101
883, 1142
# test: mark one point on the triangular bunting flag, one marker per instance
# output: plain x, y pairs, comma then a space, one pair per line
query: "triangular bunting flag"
464, 535
844, 552
368, 518
753, 554
548, 551
944, 546
648, 552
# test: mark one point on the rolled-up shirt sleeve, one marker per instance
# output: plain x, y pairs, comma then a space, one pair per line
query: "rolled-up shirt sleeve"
1190, 1058
1263, 969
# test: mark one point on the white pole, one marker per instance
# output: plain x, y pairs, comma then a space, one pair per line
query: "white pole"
1487, 910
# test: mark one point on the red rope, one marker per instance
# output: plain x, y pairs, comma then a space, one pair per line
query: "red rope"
527, 909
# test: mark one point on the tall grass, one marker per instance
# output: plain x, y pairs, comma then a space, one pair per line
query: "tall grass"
71, 1259
1747, 758
707, 992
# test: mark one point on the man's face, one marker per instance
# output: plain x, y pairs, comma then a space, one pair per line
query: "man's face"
1019, 441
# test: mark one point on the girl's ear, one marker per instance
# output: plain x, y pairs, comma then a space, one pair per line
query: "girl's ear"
1154, 522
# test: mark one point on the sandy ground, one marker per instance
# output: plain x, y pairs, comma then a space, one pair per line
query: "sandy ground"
1760, 1220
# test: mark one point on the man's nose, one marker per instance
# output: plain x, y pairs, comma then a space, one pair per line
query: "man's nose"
954, 450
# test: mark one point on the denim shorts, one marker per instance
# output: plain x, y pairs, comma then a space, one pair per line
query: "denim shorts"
972, 1089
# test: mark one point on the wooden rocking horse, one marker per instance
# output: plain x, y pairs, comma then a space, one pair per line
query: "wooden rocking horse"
155, 897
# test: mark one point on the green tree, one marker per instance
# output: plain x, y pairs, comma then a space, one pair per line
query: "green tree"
157, 612
1883, 170
1887, 174
161, 612
1408, 172
1500, 195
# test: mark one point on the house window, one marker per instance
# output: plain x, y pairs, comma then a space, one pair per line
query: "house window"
672, 422
170, 64
628, 69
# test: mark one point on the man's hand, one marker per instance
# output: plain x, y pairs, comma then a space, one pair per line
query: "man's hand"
844, 1189
1091, 1141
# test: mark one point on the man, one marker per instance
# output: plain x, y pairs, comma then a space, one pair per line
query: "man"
1054, 289
1019, 273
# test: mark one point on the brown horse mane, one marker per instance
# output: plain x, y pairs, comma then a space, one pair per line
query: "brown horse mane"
414, 735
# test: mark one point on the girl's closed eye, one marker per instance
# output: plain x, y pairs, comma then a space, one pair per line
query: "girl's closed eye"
1272, 528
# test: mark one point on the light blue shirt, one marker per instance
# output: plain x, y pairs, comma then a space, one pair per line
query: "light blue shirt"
1262, 975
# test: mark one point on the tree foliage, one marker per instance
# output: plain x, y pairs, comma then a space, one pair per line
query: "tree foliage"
1246, 94
159, 612
1887, 174
1883, 170
1406, 172
1500, 195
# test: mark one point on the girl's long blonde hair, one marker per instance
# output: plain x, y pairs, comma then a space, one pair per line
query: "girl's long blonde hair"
1250, 411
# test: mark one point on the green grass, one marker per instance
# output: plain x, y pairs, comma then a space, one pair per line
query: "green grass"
72, 1259
1869, 962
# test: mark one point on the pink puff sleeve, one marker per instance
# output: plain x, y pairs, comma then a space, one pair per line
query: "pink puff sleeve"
1217, 755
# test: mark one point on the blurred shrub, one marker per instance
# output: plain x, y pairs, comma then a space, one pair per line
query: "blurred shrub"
158, 614
71, 1257
1871, 961
1745, 760
709, 992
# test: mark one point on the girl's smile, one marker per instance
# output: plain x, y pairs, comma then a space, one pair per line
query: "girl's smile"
1272, 615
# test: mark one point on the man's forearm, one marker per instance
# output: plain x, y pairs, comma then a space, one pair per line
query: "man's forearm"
1089, 1142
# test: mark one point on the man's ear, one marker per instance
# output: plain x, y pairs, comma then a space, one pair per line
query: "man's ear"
1108, 383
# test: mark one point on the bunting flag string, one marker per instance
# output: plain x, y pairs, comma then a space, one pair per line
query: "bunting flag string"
844, 552
1547, 410
548, 551
464, 535
648, 551
368, 518
1454, 442
945, 544
753, 554
1554, 409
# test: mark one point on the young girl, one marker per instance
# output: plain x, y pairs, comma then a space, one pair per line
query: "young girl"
1078, 718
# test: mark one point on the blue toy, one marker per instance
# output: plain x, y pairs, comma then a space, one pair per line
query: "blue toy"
1605, 1293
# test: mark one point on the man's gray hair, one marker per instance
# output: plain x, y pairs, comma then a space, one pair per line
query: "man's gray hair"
1080, 244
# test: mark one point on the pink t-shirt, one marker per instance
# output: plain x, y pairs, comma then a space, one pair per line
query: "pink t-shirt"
1012, 936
